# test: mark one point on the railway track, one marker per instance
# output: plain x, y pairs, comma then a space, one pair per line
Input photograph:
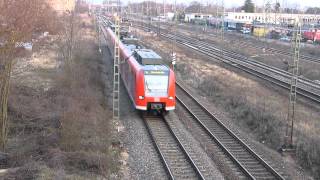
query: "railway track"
303, 57
282, 52
242, 157
306, 87
176, 159
231, 54
181, 164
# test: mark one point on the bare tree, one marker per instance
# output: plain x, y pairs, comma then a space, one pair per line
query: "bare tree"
18, 20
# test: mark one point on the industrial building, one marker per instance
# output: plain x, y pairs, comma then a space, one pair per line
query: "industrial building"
271, 18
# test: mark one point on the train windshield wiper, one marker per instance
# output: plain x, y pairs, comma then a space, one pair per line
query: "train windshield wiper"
147, 86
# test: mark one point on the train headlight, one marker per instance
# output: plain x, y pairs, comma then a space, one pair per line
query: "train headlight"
141, 97
170, 97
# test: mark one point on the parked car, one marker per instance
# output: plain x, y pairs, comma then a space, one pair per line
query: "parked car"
285, 39
245, 31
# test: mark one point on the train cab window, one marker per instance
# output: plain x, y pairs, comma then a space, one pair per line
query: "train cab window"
156, 85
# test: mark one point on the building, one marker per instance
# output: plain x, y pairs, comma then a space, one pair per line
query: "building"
196, 16
272, 18
62, 5
112, 6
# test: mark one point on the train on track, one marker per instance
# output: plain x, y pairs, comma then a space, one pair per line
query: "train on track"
149, 82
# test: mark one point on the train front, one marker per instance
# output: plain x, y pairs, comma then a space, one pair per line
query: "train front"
158, 85
159, 88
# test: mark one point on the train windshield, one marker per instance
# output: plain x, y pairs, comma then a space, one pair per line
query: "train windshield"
156, 85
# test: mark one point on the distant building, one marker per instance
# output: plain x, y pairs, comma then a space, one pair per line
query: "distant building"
271, 18
112, 6
196, 16
62, 5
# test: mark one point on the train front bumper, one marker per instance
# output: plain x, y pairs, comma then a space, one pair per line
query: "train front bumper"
156, 103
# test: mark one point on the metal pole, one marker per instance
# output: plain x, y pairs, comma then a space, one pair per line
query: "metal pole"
294, 82
158, 10
175, 33
99, 30
116, 72
222, 30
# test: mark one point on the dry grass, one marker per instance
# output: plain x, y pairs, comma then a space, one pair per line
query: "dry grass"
260, 117
59, 121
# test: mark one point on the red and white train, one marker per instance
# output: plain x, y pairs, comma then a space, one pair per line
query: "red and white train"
149, 83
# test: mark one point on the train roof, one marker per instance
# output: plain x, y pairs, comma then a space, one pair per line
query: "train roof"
148, 54
155, 68
147, 57
131, 43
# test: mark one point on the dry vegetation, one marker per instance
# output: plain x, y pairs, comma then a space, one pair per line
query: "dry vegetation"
258, 110
255, 107
59, 123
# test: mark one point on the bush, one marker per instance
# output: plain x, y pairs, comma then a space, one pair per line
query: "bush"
308, 151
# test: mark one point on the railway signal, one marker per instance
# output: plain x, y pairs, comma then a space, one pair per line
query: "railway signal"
174, 60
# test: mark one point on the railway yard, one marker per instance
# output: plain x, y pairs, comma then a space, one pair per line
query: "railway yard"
230, 112
148, 90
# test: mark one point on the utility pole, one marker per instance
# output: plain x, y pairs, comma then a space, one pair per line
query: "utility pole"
217, 16
99, 30
296, 41
173, 55
116, 71
267, 17
158, 12
142, 13
164, 7
276, 13
222, 29
149, 15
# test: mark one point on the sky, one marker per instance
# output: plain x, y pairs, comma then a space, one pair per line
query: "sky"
236, 3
